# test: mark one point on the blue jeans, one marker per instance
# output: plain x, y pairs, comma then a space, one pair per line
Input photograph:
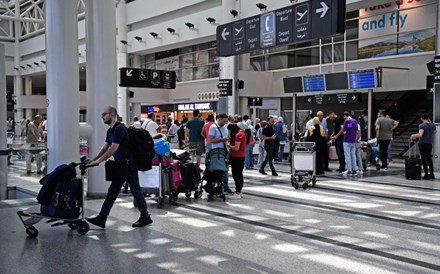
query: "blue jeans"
281, 153
350, 156
248, 161
261, 155
115, 188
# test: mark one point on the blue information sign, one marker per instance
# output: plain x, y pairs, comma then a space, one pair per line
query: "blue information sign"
314, 83
361, 79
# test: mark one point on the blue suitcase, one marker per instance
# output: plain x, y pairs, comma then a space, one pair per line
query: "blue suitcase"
66, 200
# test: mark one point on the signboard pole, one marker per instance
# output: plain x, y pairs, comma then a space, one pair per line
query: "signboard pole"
293, 126
228, 66
370, 114
436, 120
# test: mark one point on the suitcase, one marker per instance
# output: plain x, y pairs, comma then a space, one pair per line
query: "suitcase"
190, 176
176, 176
413, 165
66, 200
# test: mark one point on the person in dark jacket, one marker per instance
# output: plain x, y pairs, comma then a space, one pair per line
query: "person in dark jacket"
317, 135
426, 138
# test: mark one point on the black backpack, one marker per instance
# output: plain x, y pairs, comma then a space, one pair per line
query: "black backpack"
181, 132
142, 147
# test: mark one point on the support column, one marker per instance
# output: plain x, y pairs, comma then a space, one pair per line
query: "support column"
121, 24
18, 81
370, 113
293, 126
136, 61
28, 92
62, 82
101, 81
3, 127
228, 68
136, 109
436, 145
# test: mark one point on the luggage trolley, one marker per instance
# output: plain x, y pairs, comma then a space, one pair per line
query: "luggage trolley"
79, 223
303, 164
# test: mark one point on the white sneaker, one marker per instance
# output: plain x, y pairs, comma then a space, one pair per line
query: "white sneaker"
346, 172
360, 172
234, 196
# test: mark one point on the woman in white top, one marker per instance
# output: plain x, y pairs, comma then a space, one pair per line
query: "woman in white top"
173, 131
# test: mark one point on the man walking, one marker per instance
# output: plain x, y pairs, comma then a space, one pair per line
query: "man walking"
384, 134
337, 137
34, 136
150, 125
117, 144
270, 140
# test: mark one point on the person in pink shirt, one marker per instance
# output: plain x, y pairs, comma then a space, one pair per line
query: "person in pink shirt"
237, 151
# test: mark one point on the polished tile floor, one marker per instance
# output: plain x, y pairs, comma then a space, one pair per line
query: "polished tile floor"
376, 223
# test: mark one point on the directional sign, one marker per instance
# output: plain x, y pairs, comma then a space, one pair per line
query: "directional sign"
328, 99
313, 19
147, 78
225, 87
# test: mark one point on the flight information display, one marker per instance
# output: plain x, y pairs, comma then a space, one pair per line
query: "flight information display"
336, 81
293, 84
361, 79
314, 83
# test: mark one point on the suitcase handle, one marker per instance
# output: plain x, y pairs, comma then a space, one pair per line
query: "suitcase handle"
414, 145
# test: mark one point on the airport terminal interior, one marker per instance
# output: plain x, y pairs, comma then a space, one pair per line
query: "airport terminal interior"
65, 61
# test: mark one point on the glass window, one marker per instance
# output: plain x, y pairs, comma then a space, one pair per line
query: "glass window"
213, 58
186, 60
187, 74
201, 72
259, 63
201, 58
214, 71
186, 50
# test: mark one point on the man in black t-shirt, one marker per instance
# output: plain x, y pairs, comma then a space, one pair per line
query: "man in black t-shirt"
270, 145
117, 144
338, 136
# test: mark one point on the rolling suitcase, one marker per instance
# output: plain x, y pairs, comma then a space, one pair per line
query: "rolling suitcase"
413, 165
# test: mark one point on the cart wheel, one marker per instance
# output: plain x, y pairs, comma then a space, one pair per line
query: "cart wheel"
377, 166
210, 198
32, 232
300, 178
175, 195
188, 195
314, 181
296, 185
71, 225
223, 196
171, 200
304, 186
160, 202
197, 194
82, 228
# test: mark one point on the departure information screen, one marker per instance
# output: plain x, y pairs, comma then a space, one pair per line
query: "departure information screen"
314, 83
361, 79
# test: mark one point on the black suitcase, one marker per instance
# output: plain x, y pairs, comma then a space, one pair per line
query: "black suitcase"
190, 175
413, 165
66, 200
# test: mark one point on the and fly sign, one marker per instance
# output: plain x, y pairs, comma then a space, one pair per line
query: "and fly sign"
305, 21
147, 78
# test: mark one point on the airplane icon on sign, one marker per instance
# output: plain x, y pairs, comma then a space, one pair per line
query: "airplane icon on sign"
237, 31
301, 15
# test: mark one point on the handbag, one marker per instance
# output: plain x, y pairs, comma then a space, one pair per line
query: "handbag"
332, 155
117, 171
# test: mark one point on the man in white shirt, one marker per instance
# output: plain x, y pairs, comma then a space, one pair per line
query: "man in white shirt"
150, 125
136, 123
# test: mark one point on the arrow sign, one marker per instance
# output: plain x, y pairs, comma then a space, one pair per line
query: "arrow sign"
323, 9
224, 34
129, 72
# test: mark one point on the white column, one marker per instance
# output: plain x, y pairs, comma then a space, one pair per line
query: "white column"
136, 61
121, 24
3, 127
28, 92
228, 67
62, 82
136, 109
18, 82
101, 80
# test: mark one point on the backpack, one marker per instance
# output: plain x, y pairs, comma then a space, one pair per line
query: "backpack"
181, 132
142, 147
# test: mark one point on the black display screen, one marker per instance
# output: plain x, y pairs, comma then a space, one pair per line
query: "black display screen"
293, 84
336, 81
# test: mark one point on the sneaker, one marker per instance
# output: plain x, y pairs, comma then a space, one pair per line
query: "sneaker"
234, 196
426, 177
97, 220
329, 170
143, 221
262, 172
274, 174
345, 172
432, 177
354, 173
385, 168
360, 172
241, 194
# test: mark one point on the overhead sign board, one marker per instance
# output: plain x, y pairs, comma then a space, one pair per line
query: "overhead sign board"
340, 98
225, 87
255, 102
361, 79
147, 78
314, 83
313, 19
